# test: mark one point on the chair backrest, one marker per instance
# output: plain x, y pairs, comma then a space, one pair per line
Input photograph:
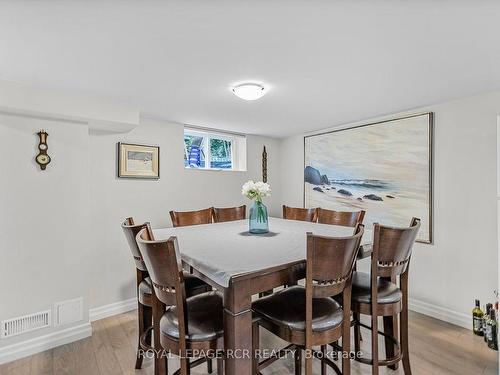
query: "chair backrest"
131, 229
164, 263
302, 214
330, 262
163, 260
181, 219
343, 218
229, 214
392, 248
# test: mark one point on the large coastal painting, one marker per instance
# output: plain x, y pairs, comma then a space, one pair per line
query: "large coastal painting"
383, 168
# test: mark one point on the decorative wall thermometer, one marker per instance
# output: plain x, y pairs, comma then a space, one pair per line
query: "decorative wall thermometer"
42, 158
264, 165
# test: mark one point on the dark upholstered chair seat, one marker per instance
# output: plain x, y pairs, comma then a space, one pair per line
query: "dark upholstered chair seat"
145, 290
204, 318
387, 292
194, 286
287, 308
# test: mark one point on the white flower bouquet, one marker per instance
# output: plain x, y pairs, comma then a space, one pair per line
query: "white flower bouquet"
256, 190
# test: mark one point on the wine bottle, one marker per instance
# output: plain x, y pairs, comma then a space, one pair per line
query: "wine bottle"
477, 319
486, 318
492, 331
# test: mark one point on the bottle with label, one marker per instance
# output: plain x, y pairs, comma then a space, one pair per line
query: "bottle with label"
477, 319
489, 307
492, 331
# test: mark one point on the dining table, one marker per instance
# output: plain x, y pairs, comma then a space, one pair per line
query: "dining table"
241, 265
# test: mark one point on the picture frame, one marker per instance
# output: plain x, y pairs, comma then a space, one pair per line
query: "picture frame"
383, 167
138, 161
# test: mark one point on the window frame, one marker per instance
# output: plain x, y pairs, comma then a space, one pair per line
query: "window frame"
207, 136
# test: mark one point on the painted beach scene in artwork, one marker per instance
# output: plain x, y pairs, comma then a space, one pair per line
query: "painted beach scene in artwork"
382, 168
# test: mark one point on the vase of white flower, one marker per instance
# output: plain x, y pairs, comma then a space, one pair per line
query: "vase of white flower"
258, 219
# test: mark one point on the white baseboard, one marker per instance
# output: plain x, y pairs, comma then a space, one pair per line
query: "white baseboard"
116, 308
441, 313
41, 343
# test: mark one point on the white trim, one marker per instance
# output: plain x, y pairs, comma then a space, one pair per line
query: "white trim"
203, 129
41, 343
441, 313
116, 308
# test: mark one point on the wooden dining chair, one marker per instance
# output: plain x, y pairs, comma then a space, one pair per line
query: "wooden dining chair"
302, 214
229, 214
377, 294
185, 218
146, 307
144, 291
343, 218
307, 316
189, 323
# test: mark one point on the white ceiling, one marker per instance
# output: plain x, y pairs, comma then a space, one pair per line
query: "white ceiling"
326, 62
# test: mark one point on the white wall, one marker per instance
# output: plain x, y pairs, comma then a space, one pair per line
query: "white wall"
60, 228
44, 218
461, 265
112, 199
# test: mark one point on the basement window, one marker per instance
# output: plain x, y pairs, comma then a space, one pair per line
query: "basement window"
214, 150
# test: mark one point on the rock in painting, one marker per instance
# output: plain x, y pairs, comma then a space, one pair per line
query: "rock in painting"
344, 192
373, 197
318, 189
391, 196
312, 176
325, 180
359, 199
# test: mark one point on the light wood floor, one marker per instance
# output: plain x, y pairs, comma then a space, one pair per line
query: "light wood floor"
436, 348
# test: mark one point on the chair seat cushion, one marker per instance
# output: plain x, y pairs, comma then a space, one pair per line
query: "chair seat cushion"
387, 292
204, 318
144, 291
287, 308
194, 285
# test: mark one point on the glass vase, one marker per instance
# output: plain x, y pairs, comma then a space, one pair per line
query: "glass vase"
258, 220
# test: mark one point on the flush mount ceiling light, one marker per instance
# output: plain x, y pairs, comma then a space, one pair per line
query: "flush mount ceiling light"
249, 91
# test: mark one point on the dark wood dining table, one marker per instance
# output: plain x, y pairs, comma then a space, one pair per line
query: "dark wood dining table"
241, 265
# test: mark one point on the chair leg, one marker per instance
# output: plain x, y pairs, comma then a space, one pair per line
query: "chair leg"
161, 366
255, 347
374, 344
298, 361
220, 366
391, 328
346, 348
323, 364
209, 366
357, 332
404, 338
148, 322
308, 360
140, 318
185, 368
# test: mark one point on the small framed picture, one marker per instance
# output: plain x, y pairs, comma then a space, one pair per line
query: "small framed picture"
138, 161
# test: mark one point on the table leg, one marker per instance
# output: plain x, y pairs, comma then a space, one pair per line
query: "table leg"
238, 331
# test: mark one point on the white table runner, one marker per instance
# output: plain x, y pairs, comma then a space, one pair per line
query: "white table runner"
223, 250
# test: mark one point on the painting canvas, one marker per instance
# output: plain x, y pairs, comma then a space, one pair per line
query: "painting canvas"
383, 168
138, 161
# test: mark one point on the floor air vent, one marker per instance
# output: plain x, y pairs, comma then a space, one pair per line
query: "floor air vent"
23, 324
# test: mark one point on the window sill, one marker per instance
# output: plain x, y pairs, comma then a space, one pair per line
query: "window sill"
214, 170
